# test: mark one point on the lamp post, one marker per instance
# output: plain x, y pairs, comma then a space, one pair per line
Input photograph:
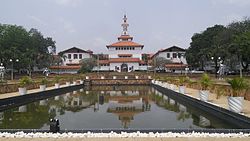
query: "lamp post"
240, 68
98, 64
2, 70
219, 58
12, 67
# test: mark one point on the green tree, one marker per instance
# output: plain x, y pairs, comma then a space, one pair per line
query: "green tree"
240, 44
160, 63
30, 48
241, 47
209, 43
87, 65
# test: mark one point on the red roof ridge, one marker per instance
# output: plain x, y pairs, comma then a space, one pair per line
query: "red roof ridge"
125, 44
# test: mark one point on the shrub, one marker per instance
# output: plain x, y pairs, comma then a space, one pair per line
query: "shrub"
238, 85
205, 81
44, 81
57, 79
25, 81
183, 80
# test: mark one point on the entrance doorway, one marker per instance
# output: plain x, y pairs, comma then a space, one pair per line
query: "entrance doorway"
124, 68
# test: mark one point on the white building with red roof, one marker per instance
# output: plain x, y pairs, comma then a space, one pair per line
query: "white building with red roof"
69, 61
176, 55
125, 55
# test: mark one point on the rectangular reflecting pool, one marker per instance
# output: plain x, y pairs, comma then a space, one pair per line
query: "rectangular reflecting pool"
110, 107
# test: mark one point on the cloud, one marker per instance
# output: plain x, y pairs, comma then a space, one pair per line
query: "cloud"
37, 20
99, 42
72, 3
67, 26
233, 17
241, 3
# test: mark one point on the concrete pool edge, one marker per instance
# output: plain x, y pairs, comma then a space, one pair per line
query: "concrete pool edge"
221, 113
11, 102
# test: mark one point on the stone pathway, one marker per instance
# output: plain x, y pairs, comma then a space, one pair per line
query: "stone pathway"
221, 102
13, 94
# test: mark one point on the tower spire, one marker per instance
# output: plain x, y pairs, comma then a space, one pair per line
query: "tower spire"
125, 25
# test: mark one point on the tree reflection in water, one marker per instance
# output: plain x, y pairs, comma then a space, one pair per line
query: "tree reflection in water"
125, 103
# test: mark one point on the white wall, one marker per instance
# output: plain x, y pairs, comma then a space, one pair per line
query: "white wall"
113, 53
175, 60
113, 65
72, 60
101, 68
71, 71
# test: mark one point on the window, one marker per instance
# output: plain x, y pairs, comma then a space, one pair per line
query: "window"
116, 48
179, 55
80, 56
168, 55
69, 56
75, 56
174, 55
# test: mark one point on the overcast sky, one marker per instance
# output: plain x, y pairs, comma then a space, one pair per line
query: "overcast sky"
92, 24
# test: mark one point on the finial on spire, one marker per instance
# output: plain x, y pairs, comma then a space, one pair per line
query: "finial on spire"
125, 25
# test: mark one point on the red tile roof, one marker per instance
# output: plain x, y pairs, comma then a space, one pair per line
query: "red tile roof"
126, 37
72, 64
65, 67
123, 60
124, 55
143, 62
176, 65
103, 61
125, 44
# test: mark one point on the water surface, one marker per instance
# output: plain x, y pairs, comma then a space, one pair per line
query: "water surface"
109, 107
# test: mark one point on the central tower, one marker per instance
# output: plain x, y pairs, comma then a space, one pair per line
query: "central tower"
125, 25
125, 55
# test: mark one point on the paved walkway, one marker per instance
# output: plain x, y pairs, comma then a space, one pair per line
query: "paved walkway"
221, 102
7, 95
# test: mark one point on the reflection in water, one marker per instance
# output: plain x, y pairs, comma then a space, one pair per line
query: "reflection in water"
57, 97
109, 107
204, 122
22, 109
126, 105
43, 102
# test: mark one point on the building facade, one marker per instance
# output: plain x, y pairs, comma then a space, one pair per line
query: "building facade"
70, 60
124, 55
176, 57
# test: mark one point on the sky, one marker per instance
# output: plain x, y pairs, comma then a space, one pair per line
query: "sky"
93, 24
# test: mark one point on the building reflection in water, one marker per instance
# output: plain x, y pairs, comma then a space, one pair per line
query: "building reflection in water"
123, 103
76, 101
22, 109
43, 102
126, 104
